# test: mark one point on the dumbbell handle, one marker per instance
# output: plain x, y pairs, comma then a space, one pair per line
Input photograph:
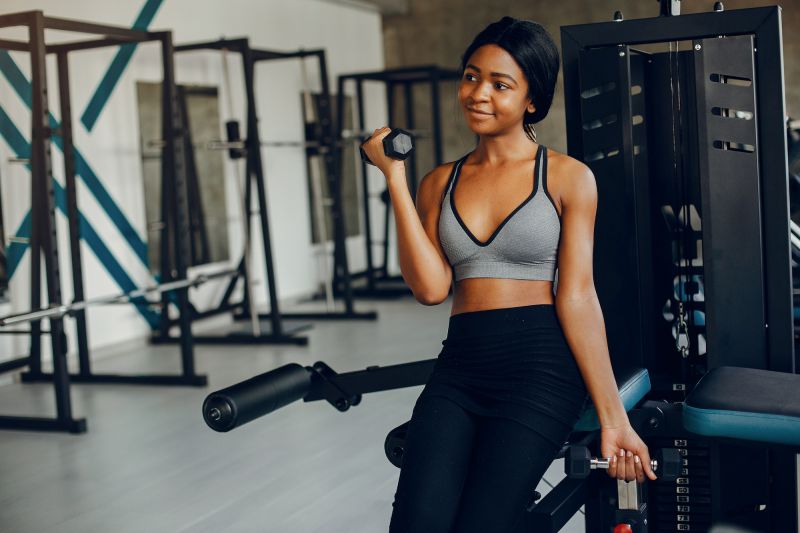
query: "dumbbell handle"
604, 464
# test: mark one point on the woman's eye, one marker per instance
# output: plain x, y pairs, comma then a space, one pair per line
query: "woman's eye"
469, 77
500, 86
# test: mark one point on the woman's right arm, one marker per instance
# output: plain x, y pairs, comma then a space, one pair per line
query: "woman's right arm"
424, 266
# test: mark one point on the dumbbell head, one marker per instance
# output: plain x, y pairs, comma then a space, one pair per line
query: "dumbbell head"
399, 144
577, 462
669, 463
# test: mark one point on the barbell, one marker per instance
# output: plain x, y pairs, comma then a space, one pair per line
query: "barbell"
58, 311
235, 143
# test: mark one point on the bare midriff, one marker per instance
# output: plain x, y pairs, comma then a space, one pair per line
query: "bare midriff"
480, 294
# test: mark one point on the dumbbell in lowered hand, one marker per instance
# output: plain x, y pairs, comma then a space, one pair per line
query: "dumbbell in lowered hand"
399, 144
578, 463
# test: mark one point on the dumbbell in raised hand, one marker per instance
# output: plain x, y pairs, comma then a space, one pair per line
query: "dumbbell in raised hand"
398, 145
666, 463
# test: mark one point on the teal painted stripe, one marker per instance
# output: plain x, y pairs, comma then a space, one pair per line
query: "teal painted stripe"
16, 251
93, 183
21, 85
16, 78
106, 258
117, 67
23, 88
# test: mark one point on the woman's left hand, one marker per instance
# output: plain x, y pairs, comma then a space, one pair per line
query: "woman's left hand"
635, 461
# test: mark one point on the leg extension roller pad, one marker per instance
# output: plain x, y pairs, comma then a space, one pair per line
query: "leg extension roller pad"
229, 408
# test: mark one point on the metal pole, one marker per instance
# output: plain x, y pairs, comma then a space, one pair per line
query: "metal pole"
408, 96
73, 215
166, 268
333, 170
362, 121
37, 218
44, 203
317, 196
257, 169
244, 212
198, 233
387, 208
174, 173
437, 119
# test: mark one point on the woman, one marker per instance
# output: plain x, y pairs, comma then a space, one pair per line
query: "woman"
518, 361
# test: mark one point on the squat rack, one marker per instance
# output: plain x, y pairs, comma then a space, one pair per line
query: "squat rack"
250, 148
43, 239
404, 78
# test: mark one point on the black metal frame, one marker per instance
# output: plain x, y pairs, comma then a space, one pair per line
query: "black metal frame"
756, 332
198, 232
43, 224
255, 172
378, 281
3, 256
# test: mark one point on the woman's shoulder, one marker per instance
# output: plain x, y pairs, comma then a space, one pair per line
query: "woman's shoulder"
435, 182
564, 162
568, 170
570, 180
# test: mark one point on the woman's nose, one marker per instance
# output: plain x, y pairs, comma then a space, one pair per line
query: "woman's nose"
479, 92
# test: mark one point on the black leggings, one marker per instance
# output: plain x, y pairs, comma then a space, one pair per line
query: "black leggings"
465, 473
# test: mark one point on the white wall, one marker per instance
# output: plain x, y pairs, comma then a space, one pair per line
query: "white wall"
351, 36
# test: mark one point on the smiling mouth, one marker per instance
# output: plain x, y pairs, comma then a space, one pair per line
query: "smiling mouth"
476, 112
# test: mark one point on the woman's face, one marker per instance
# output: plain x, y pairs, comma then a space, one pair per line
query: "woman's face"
493, 92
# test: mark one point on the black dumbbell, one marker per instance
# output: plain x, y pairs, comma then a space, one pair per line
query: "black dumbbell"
666, 463
398, 145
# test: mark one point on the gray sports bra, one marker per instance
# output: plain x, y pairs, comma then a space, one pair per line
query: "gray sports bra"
524, 245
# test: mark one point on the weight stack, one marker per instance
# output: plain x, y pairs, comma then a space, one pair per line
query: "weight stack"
684, 505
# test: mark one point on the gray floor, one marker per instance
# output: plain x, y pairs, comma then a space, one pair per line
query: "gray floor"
149, 463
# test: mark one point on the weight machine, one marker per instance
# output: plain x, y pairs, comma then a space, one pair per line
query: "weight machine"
692, 257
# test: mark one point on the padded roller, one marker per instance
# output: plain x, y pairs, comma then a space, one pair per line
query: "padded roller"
229, 408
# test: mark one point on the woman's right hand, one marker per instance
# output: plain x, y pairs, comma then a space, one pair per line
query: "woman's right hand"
373, 147
634, 461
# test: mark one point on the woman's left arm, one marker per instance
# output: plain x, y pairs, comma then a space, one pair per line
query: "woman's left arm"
581, 317
576, 300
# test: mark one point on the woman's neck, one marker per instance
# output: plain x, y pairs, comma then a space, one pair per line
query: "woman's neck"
499, 149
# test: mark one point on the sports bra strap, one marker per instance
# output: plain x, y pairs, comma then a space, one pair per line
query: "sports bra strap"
541, 168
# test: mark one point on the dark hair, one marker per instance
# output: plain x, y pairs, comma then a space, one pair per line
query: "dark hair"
535, 52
